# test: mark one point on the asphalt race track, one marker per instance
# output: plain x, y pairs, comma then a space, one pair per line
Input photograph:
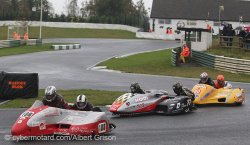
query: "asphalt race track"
214, 125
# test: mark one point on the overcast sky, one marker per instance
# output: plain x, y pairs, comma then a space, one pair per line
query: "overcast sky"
59, 5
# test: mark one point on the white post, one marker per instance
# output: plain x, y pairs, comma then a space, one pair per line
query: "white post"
41, 19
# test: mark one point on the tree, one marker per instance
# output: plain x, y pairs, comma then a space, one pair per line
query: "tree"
73, 9
83, 10
4, 8
117, 11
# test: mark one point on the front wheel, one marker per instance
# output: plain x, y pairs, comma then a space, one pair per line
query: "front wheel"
238, 103
112, 126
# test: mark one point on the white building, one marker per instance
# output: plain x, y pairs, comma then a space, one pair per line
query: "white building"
196, 14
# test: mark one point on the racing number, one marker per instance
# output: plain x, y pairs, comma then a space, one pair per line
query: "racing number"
189, 102
102, 127
178, 105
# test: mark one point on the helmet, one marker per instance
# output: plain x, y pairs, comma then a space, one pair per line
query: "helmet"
50, 93
81, 101
135, 88
221, 80
204, 77
177, 88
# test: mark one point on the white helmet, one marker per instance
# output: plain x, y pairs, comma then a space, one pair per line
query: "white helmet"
81, 101
50, 93
204, 77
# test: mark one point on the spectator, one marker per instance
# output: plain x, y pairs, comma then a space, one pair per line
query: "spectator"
231, 33
185, 53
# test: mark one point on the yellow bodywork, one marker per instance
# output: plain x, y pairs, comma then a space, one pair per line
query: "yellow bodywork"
205, 94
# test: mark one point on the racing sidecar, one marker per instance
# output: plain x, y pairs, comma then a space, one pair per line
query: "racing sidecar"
205, 94
43, 120
152, 101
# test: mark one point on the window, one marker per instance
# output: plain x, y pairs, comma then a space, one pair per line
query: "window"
164, 21
161, 21
168, 21
191, 23
217, 24
194, 36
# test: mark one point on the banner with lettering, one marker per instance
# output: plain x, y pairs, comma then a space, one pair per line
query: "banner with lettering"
18, 85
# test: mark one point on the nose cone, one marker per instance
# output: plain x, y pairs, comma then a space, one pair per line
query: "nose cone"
115, 107
19, 129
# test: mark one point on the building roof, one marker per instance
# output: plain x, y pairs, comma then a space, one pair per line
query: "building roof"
201, 9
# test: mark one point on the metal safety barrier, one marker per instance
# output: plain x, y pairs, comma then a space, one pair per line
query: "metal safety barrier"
16, 43
66, 47
175, 55
221, 63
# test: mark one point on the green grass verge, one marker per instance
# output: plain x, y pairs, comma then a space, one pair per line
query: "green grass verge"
233, 52
48, 32
98, 98
159, 63
24, 49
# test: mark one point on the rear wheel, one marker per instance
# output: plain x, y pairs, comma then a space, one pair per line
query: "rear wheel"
189, 104
238, 103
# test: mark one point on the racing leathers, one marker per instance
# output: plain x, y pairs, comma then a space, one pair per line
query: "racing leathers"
186, 92
58, 102
208, 82
226, 85
88, 107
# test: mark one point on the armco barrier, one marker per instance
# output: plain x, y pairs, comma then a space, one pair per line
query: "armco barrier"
16, 43
174, 58
34, 42
66, 47
175, 55
221, 63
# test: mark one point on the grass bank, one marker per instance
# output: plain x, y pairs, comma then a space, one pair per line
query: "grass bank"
48, 32
233, 52
159, 63
25, 49
97, 97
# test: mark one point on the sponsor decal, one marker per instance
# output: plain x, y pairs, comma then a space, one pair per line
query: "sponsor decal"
139, 106
197, 91
131, 107
55, 112
202, 86
19, 121
26, 114
206, 95
42, 125
180, 24
35, 123
141, 99
124, 98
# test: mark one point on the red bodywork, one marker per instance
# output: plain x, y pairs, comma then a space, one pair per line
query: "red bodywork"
117, 104
21, 128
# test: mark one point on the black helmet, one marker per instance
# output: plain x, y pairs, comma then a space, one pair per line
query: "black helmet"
50, 93
177, 87
135, 88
